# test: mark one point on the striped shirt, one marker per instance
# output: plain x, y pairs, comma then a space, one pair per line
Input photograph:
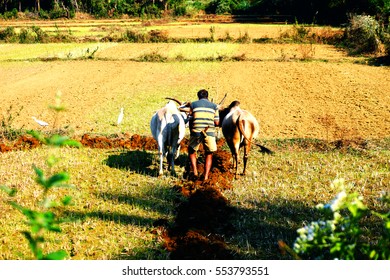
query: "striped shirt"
204, 114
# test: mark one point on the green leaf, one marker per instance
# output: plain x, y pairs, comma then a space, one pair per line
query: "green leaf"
58, 255
33, 243
40, 177
37, 136
67, 200
59, 141
9, 191
373, 254
55, 140
16, 206
57, 179
57, 108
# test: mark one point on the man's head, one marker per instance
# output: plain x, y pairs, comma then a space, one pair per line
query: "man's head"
203, 94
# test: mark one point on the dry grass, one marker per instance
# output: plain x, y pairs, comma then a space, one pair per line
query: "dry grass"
281, 194
115, 203
117, 198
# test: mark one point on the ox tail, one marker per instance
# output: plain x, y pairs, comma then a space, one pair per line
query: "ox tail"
240, 125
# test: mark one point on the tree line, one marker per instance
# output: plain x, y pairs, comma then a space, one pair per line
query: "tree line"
305, 11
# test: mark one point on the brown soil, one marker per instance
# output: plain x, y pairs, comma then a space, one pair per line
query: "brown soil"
24, 142
291, 99
201, 221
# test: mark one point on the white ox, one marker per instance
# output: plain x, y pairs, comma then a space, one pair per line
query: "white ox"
168, 129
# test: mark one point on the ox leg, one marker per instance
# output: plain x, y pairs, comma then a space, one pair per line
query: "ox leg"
247, 149
161, 152
161, 172
231, 147
237, 157
234, 152
171, 160
235, 164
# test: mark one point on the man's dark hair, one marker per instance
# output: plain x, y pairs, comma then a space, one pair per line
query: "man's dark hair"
203, 94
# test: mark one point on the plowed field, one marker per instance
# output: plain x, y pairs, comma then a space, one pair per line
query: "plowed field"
295, 91
291, 98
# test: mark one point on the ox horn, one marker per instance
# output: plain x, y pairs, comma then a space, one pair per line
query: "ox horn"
223, 100
174, 99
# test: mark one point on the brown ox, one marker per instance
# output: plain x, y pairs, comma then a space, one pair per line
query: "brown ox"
239, 127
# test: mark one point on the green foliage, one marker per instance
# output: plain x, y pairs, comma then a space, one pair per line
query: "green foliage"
150, 11
386, 42
362, 35
33, 34
8, 34
11, 15
60, 12
42, 219
326, 12
55, 140
223, 7
341, 236
43, 14
133, 36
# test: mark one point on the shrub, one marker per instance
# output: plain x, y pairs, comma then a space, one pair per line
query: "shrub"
26, 37
153, 57
58, 12
8, 34
11, 14
135, 37
341, 236
244, 38
40, 35
158, 36
362, 35
33, 34
7, 130
386, 42
43, 14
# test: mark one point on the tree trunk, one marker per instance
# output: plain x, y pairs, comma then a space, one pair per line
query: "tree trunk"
75, 5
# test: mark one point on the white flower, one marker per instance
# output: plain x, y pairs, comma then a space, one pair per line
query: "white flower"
336, 203
320, 206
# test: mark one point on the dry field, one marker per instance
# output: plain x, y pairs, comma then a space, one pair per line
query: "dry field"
290, 97
122, 210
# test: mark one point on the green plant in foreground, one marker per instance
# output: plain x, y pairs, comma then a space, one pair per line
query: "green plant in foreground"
342, 235
42, 219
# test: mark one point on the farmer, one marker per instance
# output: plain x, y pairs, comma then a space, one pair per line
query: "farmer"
204, 119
